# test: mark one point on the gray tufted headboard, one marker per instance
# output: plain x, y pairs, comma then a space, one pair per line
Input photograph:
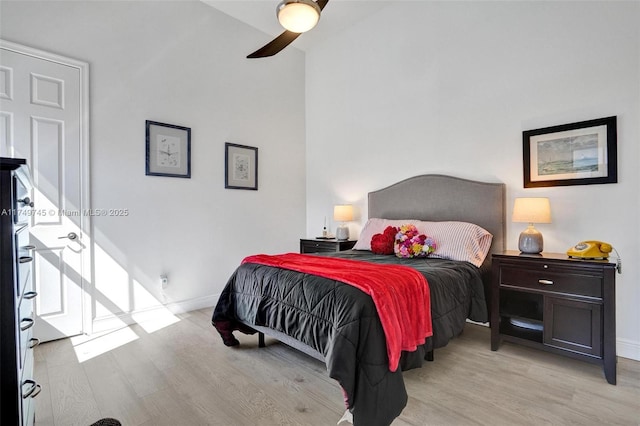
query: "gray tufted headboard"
442, 198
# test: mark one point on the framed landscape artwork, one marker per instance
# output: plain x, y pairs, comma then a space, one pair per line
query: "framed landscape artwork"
580, 153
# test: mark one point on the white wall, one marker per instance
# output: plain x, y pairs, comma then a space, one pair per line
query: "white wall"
180, 63
448, 87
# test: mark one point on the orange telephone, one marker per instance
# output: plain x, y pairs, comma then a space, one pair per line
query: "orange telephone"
590, 250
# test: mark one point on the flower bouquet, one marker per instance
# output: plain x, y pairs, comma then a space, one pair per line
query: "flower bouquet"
410, 242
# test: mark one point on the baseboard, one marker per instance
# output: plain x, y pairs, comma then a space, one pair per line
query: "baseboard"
193, 304
624, 347
628, 349
120, 319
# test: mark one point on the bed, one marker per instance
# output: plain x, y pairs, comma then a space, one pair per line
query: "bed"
339, 324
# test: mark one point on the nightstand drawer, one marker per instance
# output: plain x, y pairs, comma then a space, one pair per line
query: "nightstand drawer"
325, 246
320, 247
552, 281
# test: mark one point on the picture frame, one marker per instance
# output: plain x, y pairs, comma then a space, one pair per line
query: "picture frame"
581, 153
240, 166
168, 150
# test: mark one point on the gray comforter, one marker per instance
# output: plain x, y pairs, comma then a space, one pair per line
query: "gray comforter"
341, 322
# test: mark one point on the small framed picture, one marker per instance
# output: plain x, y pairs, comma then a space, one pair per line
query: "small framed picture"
240, 166
580, 153
168, 150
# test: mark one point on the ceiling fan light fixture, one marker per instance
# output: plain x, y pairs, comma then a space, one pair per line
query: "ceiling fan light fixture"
298, 16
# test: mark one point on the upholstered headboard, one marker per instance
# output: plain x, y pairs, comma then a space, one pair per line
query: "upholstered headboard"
440, 198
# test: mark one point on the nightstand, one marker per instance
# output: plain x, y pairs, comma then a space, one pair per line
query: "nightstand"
552, 302
324, 246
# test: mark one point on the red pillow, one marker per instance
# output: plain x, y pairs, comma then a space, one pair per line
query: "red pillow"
383, 243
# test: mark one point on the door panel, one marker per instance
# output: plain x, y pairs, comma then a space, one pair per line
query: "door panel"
574, 325
41, 119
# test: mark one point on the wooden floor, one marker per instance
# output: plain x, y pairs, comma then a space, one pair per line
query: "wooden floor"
182, 375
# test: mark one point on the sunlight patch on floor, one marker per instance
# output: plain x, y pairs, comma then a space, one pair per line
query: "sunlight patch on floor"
155, 319
87, 347
98, 343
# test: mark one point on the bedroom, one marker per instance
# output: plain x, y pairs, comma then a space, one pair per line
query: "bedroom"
449, 85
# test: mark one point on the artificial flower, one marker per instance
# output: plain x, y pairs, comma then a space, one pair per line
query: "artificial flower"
383, 243
409, 242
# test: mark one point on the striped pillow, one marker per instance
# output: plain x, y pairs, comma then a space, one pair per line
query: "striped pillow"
462, 241
458, 241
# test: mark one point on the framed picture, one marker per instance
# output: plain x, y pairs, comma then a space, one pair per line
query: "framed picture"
168, 150
240, 166
581, 153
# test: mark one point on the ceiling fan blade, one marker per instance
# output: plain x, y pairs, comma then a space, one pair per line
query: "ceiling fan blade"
276, 45
282, 41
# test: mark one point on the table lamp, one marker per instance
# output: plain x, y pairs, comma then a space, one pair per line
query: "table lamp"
342, 213
531, 210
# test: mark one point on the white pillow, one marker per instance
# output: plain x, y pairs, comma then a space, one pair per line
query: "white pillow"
461, 241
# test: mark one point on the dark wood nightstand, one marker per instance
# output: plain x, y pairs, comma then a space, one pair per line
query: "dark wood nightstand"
324, 246
552, 302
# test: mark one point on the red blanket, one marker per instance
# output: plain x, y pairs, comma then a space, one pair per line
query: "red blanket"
400, 293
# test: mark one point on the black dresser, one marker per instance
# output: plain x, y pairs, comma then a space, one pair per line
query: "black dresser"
16, 296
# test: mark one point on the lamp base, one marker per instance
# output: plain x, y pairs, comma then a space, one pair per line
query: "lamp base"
342, 233
530, 241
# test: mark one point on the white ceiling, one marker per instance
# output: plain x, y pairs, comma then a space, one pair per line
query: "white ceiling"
336, 16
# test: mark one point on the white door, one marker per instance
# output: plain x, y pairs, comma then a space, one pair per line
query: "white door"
43, 118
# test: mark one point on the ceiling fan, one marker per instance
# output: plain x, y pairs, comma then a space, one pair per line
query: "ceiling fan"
297, 17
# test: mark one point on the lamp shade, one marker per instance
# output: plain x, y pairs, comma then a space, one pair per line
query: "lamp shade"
343, 212
532, 210
298, 16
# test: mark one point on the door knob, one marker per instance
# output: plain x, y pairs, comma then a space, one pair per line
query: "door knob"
71, 235
26, 201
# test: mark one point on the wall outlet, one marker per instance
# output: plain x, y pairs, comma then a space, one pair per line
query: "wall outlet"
164, 281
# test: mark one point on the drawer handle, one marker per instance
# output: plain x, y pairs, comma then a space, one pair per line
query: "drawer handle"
545, 282
25, 259
38, 389
33, 391
30, 295
29, 247
28, 324
33, 342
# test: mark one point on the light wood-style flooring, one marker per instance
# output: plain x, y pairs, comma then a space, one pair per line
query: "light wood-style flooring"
182, 375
